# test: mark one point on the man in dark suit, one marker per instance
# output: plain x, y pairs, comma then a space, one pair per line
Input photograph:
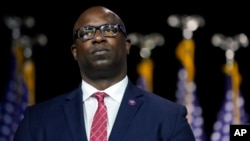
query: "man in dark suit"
100, 48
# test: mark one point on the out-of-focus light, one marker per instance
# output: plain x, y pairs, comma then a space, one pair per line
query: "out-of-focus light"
242, 38
192, 25
29, 22
174, 21
187, 34
145, 52
42, 39
135, 38
217, 39
229, 54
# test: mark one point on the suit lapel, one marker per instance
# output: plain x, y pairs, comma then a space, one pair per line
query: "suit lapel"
127, 111
72, 107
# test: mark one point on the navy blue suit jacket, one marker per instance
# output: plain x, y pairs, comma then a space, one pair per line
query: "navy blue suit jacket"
142, 116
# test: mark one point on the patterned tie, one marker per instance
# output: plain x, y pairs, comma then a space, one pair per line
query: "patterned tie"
99, 125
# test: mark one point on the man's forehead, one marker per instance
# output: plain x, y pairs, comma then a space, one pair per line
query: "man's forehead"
96, 19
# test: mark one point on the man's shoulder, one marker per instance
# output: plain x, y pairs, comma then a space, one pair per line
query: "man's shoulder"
55, 101
161, 101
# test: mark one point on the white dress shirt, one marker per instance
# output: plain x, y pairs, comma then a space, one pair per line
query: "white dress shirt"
112, 101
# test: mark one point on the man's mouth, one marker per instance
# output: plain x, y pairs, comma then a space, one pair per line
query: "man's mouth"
100, 52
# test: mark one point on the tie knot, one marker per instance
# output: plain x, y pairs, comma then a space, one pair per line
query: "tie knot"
100, 96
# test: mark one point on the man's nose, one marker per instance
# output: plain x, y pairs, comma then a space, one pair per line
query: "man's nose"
99, 36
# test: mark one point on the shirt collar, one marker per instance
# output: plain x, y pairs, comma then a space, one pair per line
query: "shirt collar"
115, 91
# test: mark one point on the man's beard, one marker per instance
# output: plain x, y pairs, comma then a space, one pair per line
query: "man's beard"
103, 71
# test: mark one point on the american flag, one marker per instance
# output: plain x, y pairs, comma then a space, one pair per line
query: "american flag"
232, 110
186, 88
14, 102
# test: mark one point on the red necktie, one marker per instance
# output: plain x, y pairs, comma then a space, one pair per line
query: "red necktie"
99, 125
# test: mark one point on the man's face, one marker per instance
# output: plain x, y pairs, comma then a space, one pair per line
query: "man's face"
99, 52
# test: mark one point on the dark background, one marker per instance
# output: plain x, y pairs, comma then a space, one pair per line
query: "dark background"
57, 72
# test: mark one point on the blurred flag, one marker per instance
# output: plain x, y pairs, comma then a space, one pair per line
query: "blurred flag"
19, 93
186, 88
232, 110
145, 71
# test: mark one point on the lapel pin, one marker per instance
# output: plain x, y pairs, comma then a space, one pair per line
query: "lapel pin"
131, 102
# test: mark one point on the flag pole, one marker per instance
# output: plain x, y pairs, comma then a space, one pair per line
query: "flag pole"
231, 45
186, 87
185, 53
22, 48
146, 44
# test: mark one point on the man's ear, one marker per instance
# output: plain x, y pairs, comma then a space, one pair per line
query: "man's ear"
128, 45
73, 51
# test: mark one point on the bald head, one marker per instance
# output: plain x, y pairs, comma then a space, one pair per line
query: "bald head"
97, 15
